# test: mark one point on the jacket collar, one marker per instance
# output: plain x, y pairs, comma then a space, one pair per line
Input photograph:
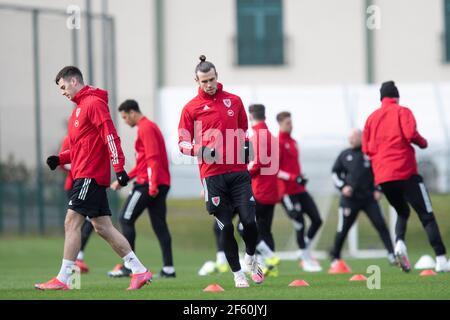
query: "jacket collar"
78, 97
388, 101
260, 125
284, 135
206, 96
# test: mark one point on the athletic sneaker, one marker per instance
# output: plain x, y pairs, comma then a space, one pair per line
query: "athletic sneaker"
402, 256
82, 265
222, 267
119, 271
442, 265
53, 284
310, 265
273, 261
140, 279
391, 259
240, 280
163, 274
256, 272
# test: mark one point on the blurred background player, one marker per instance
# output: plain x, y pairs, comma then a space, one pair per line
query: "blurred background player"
87, 227
263, 170
352, 175
388, 134
296, 200
213, 127
150, 188
93, 143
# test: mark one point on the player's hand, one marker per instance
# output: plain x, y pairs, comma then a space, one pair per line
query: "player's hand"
153, 192
301, 180
115, 185
53, 162
347, 191
122, 178
377, 195
207, 154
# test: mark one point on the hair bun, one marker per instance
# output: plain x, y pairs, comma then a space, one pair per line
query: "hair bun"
202, 58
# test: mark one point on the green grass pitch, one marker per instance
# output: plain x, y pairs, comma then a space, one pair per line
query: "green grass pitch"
30, 259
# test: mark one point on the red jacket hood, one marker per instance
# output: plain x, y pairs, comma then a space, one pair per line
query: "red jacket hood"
90, 91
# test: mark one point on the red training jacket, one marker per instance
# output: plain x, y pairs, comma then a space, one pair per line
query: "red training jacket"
93, 138
290, 167
68, 184
152, 164
205, 121
387, 137
264, 185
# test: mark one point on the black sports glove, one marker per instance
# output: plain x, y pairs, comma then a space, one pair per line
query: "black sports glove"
207, 154
53, 162
122, 178
301, 180
249, 153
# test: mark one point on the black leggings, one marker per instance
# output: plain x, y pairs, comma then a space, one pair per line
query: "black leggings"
264, 218
348, 213
296, 205
412, 191
136, 203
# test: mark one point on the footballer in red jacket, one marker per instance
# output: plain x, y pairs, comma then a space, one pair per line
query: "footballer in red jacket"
296, 200
388, 136
213, 127
263, 170
150, 188
93, 143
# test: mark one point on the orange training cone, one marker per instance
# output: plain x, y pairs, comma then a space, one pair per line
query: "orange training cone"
299, 283
213, 288
339, 267
358, 277
428, 272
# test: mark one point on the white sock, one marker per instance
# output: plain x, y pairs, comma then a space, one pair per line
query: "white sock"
169, 269
132, 262
238, 273
265, 250
441, 260
248, 259
80, 255
220, 257
66, 270
307, 242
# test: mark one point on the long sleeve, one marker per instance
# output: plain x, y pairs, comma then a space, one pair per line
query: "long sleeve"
100, 117
283, 174
338, 173
151, 150
186, 135
409, 128
65, 148
365, 141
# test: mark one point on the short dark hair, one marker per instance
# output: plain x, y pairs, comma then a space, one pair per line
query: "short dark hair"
258, 111
129, 105
69, 71
204, 66
283, 115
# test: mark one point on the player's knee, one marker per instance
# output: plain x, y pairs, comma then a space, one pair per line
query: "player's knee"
101, 230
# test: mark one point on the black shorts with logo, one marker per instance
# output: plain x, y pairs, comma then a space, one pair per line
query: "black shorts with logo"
228, 191
88, 198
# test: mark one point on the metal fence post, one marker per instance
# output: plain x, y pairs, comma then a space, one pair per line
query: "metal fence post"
38, 133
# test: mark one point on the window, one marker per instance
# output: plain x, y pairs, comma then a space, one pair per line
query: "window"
260, 32
447, 29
